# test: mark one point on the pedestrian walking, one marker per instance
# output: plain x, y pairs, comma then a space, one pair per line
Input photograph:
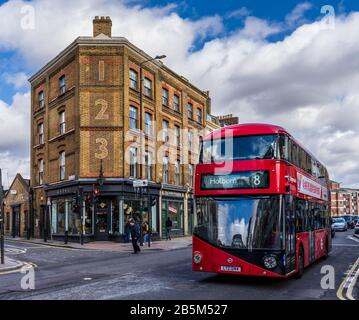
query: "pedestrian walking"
168, 228
145, 229
135, 235
127, 231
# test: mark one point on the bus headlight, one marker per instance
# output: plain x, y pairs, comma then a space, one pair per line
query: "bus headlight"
197, 257
270, 261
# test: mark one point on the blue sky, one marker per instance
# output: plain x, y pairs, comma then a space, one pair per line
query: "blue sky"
264, 61
274, 11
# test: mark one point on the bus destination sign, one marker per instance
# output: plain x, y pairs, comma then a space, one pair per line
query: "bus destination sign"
236, 180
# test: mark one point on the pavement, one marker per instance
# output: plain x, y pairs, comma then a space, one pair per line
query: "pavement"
11, 265
83, 274
165, 245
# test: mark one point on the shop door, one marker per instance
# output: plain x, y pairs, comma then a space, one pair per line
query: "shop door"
102, 217
16, 222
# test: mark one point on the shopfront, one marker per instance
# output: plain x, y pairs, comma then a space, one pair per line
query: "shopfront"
105, 220
173, 208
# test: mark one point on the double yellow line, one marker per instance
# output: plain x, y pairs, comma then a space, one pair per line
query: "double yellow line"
348, 283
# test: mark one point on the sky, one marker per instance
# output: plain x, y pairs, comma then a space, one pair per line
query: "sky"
290, 63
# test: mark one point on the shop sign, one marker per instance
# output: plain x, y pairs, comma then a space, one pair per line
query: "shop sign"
172, 194
140, 183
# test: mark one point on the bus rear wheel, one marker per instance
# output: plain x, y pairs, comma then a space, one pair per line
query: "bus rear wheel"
300, 272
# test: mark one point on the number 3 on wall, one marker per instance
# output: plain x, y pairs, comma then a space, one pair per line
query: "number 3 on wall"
102, 148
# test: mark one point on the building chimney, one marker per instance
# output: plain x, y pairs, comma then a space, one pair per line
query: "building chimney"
102, 25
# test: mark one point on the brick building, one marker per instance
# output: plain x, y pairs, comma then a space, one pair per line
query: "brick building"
17, 220
86, 125
344, 200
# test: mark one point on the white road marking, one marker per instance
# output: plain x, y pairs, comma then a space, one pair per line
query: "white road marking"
344, 245
14, 250
353, 238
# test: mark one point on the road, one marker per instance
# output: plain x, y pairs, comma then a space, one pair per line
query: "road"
63, 273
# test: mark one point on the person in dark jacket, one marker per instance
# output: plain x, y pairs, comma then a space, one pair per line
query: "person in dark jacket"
168, 228
127, 232
135, 235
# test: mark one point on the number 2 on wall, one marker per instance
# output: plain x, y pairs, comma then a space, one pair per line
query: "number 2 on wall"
102, 148
104, 106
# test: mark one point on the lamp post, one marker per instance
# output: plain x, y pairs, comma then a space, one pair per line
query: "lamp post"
141, 138
101, 179
95, 192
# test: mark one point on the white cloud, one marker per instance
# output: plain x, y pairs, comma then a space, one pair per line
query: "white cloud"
18, 80
296, 16
307, 82
15, 136
15, 125
238, 13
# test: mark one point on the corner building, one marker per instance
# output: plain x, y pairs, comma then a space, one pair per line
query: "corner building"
86, 128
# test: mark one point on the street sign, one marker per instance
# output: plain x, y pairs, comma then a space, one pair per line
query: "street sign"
140, 183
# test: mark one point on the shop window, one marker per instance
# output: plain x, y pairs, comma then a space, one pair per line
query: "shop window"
174, 210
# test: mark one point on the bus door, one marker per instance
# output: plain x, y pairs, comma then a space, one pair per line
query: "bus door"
290, 238
311, 233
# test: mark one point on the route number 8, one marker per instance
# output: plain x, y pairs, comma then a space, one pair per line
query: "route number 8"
257, 180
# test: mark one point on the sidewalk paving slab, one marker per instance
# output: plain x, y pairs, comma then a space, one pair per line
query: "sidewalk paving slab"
165, 245
10, 265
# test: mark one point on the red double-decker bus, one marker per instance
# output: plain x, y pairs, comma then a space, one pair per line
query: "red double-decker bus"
262, 204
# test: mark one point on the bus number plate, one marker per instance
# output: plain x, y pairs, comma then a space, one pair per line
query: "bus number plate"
231, 268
